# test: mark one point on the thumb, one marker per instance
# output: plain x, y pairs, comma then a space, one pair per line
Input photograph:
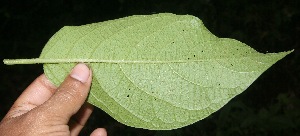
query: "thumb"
70, 95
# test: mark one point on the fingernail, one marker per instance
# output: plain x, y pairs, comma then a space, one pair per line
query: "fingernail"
80, 72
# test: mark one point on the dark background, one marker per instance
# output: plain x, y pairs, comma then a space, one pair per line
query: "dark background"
270, 106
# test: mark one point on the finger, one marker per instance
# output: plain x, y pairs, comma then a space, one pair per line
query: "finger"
99, 132
39, 91
78, 121
70, 95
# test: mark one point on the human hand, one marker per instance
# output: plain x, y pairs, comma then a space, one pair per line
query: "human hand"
43, 109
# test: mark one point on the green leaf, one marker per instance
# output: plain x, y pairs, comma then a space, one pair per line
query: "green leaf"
158, 72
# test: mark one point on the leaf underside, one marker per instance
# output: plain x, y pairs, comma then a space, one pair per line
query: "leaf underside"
157, 72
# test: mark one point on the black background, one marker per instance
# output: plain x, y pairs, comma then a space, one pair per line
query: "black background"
270, 106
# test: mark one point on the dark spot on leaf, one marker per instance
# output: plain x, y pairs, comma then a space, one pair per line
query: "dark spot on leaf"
194, 55
127, 95
231, 64
201, 51
219, 84
188, 58
183, 30
129, 89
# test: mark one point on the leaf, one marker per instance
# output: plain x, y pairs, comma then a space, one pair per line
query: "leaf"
157, 72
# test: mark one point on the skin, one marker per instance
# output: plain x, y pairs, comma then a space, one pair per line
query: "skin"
43, 109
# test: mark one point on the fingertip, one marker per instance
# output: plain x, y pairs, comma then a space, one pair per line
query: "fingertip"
46, 82
80, 72
99, 132
72, 93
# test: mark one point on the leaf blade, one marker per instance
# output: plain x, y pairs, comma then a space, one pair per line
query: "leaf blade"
191, 73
